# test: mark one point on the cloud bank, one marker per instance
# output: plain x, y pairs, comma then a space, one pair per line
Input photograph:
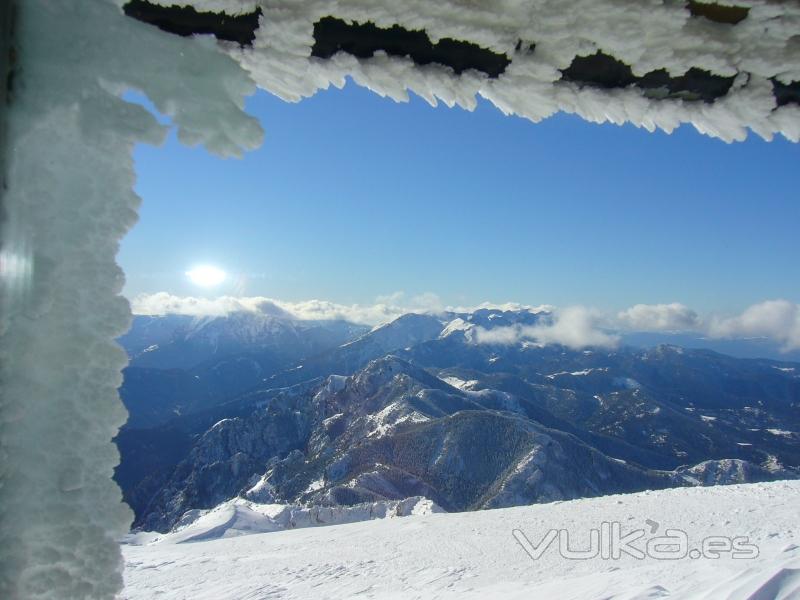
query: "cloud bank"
778, 320
659, 317
386, 308
575, 327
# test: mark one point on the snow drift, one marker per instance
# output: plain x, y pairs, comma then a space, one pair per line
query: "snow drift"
241, 517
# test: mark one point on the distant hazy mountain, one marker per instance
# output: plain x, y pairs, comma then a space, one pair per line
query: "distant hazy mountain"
177, 341
181, 364
418, 408
405, 332
738, 347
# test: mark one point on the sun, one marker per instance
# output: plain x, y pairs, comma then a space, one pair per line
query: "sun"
206, 275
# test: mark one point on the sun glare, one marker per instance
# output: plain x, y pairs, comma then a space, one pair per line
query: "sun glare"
206, 276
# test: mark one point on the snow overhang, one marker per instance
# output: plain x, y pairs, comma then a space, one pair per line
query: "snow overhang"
725, 66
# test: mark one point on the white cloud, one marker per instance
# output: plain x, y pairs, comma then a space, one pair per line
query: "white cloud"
163, 303
498, 335
505, 306
659, 317
575, 327
427, 302
385, 309
778, 320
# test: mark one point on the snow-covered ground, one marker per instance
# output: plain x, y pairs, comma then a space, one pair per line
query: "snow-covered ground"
477, 555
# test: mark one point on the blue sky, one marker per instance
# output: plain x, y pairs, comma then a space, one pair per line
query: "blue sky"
353, 196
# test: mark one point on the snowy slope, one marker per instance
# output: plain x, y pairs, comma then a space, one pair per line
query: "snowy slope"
475, 555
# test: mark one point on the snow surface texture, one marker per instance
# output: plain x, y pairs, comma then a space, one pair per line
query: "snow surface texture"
647, 35
69, 201
475, 555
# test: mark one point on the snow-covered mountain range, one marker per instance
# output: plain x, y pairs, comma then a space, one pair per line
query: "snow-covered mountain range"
182, 364
421, 407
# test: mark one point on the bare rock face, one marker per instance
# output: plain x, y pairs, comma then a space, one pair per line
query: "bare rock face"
728, 471
225, 458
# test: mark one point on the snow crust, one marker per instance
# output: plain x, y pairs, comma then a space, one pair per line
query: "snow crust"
69, 201
474, 554
648, 35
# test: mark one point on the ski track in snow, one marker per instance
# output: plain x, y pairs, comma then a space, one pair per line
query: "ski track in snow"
474, 555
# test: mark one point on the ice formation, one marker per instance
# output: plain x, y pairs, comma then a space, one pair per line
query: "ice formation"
723, 66
69, 198
68, 202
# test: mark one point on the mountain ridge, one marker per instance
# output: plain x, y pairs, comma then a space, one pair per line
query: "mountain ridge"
472, 425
